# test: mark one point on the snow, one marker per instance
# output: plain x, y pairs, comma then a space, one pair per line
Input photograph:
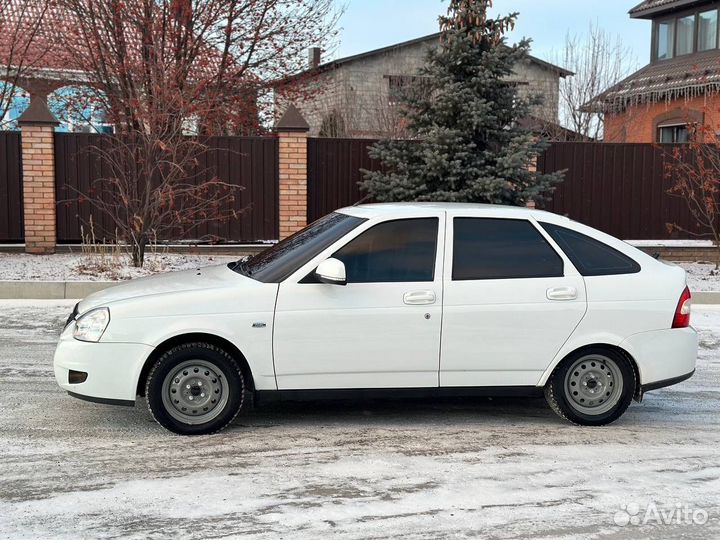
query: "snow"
94, 267
501, 468
702, 277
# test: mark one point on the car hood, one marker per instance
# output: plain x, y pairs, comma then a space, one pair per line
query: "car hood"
211, 277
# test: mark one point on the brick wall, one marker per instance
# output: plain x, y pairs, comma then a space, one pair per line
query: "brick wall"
638, 124
293, 181
39, 188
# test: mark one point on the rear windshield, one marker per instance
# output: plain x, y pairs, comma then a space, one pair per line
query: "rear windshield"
591, 257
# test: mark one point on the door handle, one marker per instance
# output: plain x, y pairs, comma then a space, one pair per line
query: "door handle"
416, 298
562, 293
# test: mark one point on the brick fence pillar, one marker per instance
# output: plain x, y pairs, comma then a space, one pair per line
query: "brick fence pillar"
292, 130
38, 169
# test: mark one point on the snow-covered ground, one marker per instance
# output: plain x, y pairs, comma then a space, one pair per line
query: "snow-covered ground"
86, 267
702, 277
502, 468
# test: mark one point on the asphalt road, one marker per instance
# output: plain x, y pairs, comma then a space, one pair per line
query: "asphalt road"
447, 468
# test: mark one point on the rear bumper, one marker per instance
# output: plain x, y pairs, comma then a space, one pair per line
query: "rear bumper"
667, 382
663, 357
113, 369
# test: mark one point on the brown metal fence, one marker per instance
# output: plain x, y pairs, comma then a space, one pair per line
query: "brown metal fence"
334, 172
617, 188
11, 190
247, 162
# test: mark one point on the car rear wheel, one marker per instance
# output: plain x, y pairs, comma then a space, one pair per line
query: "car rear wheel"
593, 387
195, 389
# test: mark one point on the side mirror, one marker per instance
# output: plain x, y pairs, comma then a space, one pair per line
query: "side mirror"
331, 271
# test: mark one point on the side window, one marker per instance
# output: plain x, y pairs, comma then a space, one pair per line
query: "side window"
485, 248
394, 251
591, 257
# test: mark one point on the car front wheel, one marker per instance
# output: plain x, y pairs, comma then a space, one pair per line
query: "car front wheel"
195, 389
593, 387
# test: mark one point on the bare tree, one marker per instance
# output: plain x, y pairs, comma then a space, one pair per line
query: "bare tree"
598, 60
171, 73
220, 51
154, 186
20, 25
694, 172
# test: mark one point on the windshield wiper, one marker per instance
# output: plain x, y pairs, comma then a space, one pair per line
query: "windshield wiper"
241, 266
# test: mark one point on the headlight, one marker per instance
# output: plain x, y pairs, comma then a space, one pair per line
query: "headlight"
90, 327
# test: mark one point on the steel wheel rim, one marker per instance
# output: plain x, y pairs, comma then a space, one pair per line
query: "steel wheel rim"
195, 392
593, 384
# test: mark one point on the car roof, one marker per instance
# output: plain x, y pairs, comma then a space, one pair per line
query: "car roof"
413, 208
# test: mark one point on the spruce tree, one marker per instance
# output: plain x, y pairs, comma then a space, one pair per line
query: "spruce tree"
464, 114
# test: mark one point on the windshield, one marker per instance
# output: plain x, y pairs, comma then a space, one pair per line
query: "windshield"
278, 262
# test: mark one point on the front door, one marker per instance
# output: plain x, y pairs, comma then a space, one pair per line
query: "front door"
511, 301
382, 329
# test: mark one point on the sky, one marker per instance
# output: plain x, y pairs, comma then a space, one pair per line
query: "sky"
370, 24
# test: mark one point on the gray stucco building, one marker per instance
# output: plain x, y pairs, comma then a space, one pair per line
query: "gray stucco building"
355, 96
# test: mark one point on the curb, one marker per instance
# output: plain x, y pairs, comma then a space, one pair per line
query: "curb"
60, 290
51, 290
700, 298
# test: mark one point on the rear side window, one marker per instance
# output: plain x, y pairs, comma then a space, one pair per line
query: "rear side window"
591, 257
393, 251
485, 248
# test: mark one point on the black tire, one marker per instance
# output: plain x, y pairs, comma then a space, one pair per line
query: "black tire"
558, 390
218, 365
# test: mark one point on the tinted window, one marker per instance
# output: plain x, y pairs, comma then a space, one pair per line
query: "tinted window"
501, 249
665, 40
393, 251
278, 262
591, 257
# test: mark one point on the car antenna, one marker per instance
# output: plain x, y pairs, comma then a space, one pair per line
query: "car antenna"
365, 198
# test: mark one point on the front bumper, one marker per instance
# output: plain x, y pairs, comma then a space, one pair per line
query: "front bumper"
663, 357
113, 369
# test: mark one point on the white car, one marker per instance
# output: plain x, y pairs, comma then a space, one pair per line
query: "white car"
398, 299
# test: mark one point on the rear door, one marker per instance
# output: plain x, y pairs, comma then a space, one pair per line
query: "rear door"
511, 300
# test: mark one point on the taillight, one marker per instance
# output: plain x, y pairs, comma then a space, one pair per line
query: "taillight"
682, 311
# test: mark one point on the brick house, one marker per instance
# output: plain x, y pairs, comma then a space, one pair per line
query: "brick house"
681, 84
356, 96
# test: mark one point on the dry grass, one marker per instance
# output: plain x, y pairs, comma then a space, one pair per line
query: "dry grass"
109, 258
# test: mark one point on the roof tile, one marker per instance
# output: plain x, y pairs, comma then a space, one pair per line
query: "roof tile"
655, 6
684, 76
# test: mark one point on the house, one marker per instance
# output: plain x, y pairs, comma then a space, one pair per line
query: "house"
357, 96
681, 84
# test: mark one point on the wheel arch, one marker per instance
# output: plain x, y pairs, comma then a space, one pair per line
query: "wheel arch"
607, 346
190, 337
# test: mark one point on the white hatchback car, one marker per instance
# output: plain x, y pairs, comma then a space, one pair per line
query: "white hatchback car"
397, 299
